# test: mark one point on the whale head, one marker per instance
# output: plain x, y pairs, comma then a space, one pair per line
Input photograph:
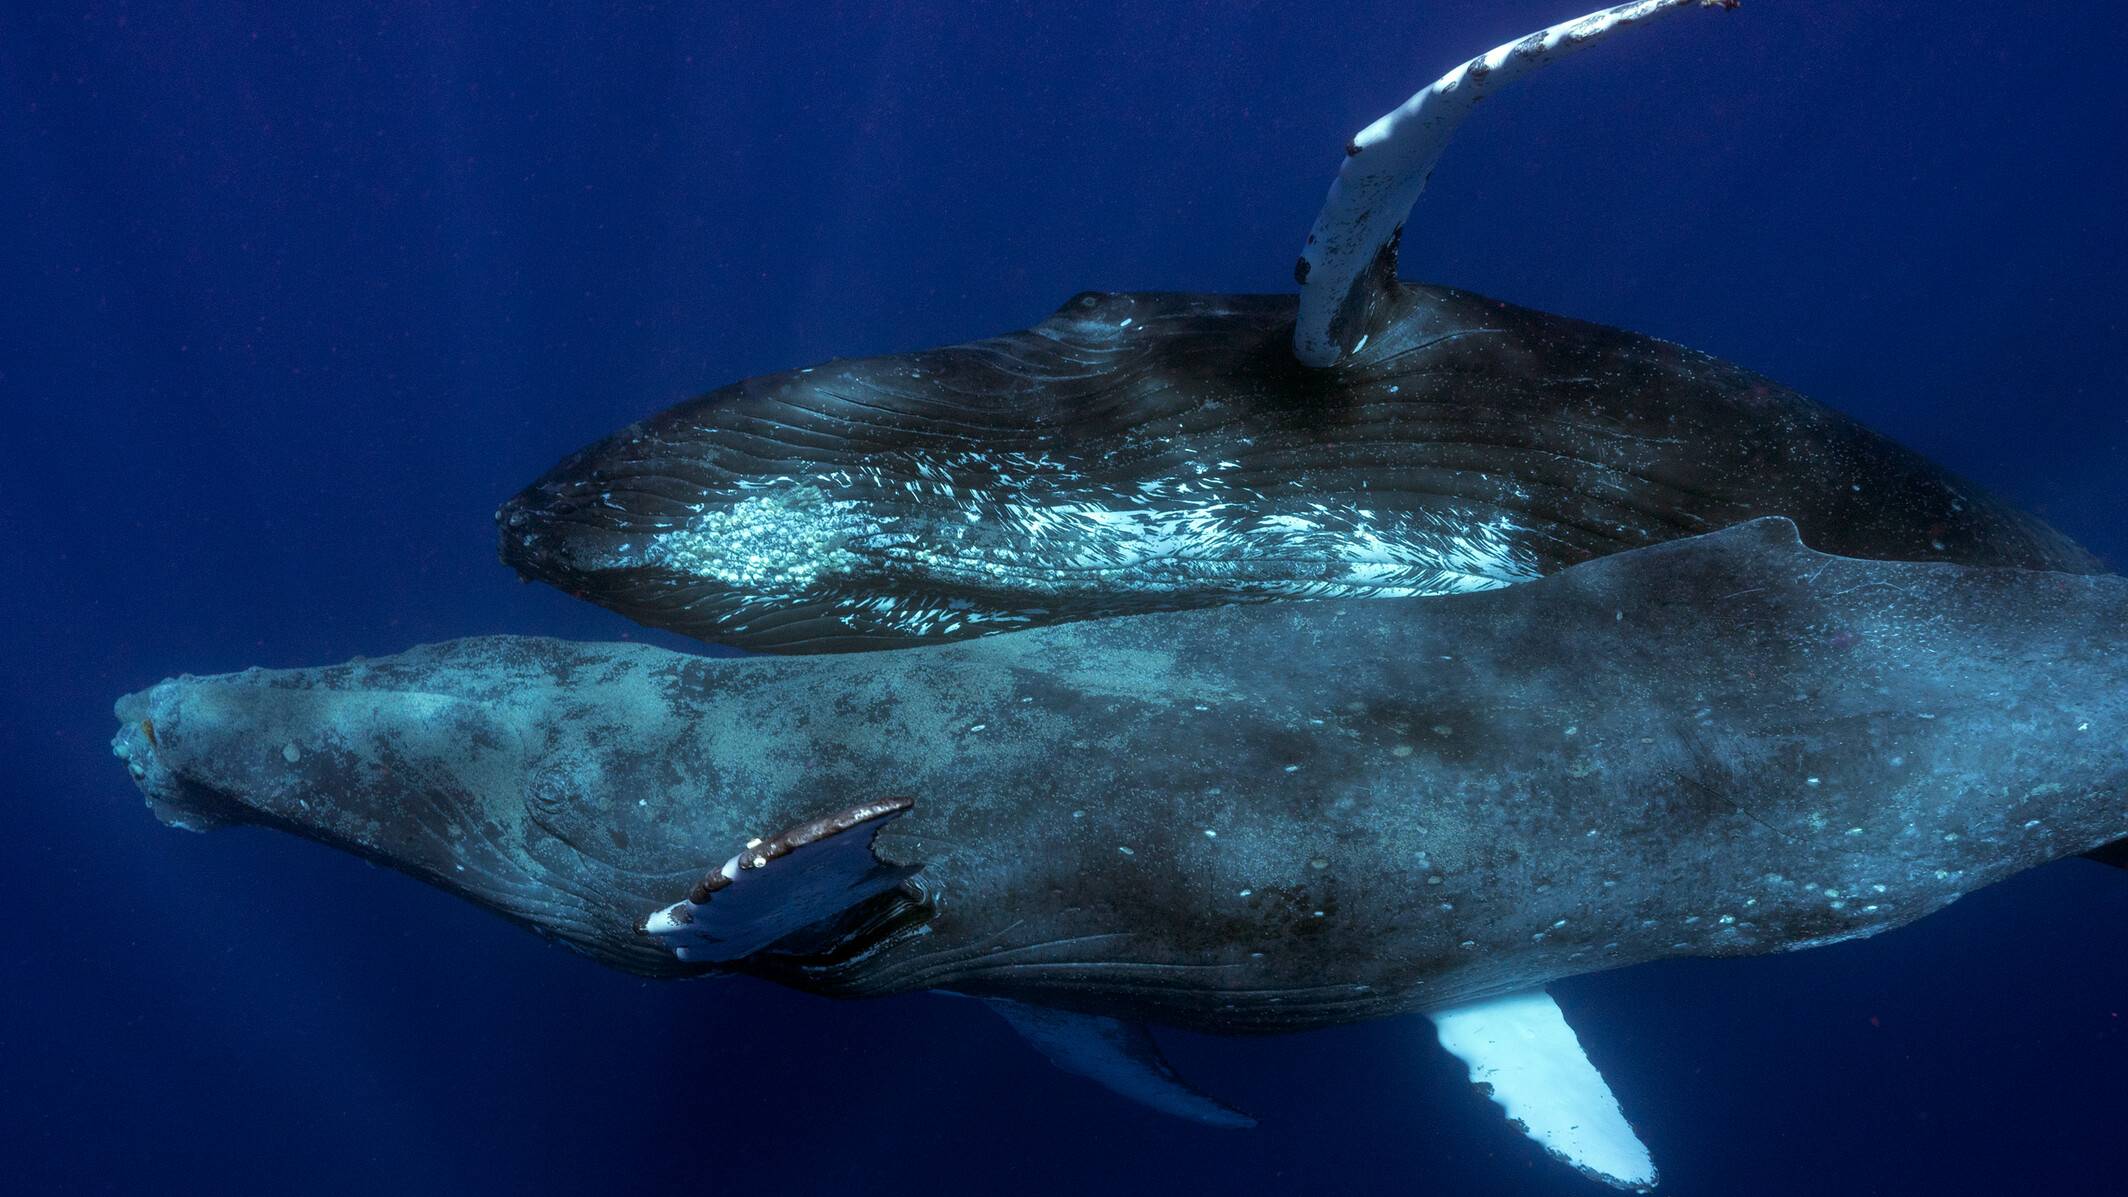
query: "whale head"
456, 788
646, 524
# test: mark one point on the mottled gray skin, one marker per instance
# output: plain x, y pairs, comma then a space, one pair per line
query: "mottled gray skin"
1148, 452
1247, 818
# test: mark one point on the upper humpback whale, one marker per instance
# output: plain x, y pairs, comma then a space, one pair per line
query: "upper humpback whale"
1140, 452
1245, 818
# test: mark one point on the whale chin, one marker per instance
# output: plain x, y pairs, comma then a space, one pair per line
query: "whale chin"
561, 532
643, 548
172, 798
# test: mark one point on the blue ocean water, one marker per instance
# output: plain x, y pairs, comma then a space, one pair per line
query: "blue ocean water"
295, 294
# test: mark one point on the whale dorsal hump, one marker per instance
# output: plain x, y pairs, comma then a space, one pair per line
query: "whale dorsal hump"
1347, 270
1521, 1053
782, 884
1119, 1056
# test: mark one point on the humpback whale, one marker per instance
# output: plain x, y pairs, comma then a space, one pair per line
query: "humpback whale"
1236, 819
1143, 452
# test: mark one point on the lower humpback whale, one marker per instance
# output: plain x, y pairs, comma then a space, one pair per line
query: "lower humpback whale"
1242, 819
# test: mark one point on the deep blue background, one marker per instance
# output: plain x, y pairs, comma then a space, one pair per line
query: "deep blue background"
290, 299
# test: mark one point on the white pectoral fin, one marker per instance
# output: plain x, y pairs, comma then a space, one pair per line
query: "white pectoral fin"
1386, 166
1521, 1050
799, 878
1119, 1056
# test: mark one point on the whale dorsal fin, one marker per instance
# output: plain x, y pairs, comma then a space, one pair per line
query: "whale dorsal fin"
1119, 1056
1347, 271
1523, 1055
782, 884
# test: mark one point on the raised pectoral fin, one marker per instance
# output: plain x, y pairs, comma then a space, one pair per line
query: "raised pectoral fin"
1349, 261
799, 878
1520, 1049
1119, 1056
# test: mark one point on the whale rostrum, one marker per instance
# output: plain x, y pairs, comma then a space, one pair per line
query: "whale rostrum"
1248, 818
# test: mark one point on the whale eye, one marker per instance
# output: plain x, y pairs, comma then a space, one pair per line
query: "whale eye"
547, 792
551, 803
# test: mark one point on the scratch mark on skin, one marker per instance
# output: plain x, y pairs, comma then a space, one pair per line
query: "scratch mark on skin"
1874, 586
1723, 798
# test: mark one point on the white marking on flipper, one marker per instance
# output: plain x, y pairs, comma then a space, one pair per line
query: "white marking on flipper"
1520, 1048
1119, 1056
1387, 163
778, 886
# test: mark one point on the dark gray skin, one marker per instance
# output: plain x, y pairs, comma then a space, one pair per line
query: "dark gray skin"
1249, 818
1147, 452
